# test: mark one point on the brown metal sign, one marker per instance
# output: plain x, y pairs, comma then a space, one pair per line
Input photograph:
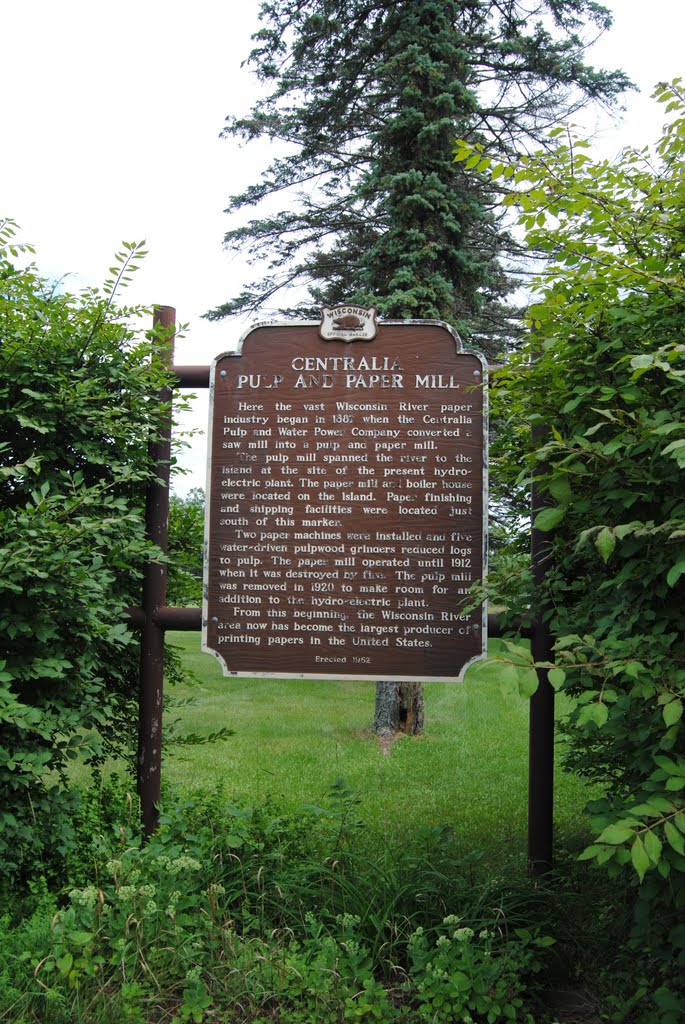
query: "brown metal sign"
346, 499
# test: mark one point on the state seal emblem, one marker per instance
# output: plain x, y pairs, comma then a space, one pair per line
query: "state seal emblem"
348, 323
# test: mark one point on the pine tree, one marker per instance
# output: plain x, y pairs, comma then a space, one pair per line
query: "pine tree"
367, 98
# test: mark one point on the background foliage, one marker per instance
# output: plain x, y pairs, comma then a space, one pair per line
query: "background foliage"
75, 420
185, 547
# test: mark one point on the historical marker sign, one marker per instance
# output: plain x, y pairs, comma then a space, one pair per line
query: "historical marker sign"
345, 507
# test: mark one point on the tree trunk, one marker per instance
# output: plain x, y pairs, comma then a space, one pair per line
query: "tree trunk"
399, 709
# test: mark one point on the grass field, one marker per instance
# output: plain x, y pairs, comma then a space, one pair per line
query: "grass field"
294, 738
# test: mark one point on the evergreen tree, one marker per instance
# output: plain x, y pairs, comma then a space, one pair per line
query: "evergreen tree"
366, 98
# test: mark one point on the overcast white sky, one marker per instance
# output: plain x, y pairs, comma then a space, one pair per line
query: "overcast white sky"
109, 130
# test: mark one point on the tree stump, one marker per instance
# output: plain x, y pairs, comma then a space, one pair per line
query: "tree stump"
399, 709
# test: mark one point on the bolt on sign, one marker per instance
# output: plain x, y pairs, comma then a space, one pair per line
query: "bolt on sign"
345, 518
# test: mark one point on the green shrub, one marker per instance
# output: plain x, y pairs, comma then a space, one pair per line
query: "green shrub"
76, 417
602, 380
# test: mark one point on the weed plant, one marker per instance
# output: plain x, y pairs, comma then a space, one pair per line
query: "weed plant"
241, 913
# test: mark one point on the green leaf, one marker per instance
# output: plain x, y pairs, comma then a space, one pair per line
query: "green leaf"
668, 428
508, 677
673, 712
605, 542
668, 765
549, 518
675, 838
674, 447
652, 845
661, 804
560, 489
25, 421
64, 964
624, 529
615, 834
557, 677
597, 713
488, 670
639, 857
563, 642
518, 650
528, 681
590, 852
675, 572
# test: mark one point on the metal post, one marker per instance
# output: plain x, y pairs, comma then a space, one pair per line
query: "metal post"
154, 596
541, 729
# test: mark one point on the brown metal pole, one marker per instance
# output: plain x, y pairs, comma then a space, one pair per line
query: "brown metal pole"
154, 597
192, 376
541, 727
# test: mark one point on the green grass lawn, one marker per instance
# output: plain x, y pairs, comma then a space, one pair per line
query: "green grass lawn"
294, 738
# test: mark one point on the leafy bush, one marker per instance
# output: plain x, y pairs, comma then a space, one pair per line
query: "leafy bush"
604, 373
76, 417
